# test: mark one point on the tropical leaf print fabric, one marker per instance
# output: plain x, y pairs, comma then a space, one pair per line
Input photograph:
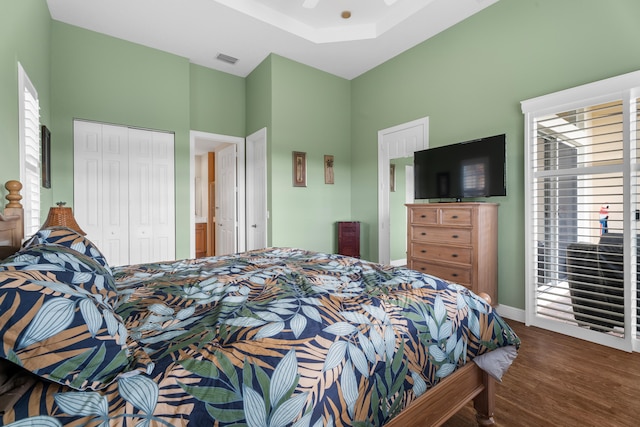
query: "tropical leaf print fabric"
277, 337
57, 318
64, 236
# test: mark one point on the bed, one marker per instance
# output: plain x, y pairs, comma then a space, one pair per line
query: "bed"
272, 337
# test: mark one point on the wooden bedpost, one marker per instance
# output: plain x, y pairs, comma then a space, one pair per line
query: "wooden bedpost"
485, 402
14, 196
13, 211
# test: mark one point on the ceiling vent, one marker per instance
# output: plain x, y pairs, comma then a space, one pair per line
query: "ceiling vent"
226, 58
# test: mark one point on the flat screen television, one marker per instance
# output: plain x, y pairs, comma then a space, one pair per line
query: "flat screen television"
468, 169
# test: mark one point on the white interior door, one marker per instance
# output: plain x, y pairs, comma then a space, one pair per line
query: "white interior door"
257, 213
226, 200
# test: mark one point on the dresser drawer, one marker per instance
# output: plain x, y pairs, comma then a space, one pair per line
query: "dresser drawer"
424, 215
459, 216
458, 275
459, 236
430, 252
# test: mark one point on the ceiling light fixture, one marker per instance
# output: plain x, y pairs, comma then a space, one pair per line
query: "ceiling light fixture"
345, 14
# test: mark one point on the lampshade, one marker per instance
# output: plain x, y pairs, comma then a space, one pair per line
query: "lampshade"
62, 216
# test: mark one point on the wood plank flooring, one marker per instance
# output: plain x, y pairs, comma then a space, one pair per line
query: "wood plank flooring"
566, 382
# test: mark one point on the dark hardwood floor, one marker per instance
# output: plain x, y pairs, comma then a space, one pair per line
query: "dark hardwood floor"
566, 382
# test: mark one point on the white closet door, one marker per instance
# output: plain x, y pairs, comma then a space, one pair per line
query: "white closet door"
100, 187
115, 173
151, 197
124, 196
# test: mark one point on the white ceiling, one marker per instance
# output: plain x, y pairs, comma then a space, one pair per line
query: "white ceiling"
250, 30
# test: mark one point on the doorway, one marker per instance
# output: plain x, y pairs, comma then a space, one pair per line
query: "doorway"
201, 143
396, 142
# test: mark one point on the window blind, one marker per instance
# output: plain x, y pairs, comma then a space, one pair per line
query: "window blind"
30, 152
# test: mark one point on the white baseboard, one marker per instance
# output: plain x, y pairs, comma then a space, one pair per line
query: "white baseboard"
512, 313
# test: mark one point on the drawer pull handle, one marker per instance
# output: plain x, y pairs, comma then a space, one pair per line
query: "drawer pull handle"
454, 255
423, 216
455, 236
422, 269
424, 251
454, 216
423, 234
454, 274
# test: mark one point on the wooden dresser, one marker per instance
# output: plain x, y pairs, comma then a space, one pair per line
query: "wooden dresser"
457, 242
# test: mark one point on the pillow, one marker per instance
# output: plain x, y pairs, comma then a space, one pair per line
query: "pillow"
68, 266
58, 329
63, 236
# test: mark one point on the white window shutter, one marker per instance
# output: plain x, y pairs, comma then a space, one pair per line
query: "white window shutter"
29, 116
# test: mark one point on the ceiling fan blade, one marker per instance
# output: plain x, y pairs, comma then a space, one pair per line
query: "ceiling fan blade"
310, 4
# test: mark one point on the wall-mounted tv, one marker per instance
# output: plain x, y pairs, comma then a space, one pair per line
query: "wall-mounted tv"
468, 169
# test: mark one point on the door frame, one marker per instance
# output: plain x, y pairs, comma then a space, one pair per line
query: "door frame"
201, 142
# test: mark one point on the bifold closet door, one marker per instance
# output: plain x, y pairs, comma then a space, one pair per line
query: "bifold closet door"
124, 191
101, 187
151, 196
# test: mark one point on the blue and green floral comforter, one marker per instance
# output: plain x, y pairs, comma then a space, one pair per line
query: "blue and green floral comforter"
273, 337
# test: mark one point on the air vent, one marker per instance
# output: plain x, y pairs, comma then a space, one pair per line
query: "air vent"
226, 58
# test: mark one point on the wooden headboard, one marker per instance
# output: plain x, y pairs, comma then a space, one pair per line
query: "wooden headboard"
12, 220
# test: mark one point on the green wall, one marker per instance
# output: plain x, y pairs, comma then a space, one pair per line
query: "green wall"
470, 79
310, 112
25, 29
217, 101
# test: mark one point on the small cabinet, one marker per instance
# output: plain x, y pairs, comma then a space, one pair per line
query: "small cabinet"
349, 238
201, 239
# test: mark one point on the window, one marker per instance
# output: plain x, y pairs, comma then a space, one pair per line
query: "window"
29, 130
581, 203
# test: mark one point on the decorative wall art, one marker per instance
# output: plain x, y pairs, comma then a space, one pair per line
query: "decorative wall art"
328, 169
45, 148
299, 169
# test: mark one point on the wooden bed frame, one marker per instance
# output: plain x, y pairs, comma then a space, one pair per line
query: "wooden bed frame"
433, 408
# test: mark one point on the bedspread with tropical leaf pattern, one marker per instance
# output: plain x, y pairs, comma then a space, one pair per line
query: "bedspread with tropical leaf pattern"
275, 337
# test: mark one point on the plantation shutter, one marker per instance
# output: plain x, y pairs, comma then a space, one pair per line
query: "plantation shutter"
30, 153
582, 213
